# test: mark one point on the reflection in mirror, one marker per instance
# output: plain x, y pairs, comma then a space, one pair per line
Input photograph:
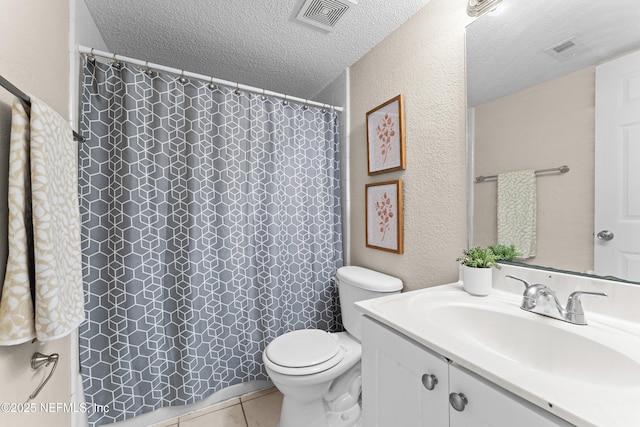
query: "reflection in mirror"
531, 84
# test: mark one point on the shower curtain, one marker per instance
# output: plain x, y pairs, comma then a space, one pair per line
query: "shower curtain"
211, 223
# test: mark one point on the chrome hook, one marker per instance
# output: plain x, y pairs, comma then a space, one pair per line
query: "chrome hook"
263, 96
182, 79
286, 101
91, 57
148, 71
305, 107
211, 85
116, 64
237, 91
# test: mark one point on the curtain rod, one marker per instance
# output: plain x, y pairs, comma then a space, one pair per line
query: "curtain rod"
91, 51
27, 100
561, 169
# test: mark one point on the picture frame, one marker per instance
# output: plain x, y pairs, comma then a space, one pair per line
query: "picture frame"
384, 220
386, 137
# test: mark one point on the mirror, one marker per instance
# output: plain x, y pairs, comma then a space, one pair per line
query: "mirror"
531, 99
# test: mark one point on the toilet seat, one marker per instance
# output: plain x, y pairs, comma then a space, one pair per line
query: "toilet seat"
304, 352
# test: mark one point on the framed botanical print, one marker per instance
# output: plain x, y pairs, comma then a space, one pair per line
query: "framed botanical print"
385, 137
384, 216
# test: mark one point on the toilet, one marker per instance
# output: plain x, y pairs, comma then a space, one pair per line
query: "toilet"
318, 372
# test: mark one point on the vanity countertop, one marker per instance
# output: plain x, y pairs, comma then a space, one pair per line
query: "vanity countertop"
587, 375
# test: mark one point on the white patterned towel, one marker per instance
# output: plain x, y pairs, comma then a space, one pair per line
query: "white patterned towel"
517, 211
56, 224
16, 305
44, 149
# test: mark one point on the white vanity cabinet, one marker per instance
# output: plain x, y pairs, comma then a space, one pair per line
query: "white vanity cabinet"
491, 406
398, 390
403, 384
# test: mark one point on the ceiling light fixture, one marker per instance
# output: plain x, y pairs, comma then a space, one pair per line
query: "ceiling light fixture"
480, 7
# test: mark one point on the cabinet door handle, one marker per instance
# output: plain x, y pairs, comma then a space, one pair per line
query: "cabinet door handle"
429, 381
458, 401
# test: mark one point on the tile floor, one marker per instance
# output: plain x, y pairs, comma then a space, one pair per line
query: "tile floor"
258, 409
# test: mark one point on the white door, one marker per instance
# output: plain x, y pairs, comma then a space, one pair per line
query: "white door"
617, 173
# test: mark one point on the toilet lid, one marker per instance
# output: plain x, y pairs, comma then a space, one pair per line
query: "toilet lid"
304, 348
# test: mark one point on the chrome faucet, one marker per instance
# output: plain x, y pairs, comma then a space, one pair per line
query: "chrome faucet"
542, 300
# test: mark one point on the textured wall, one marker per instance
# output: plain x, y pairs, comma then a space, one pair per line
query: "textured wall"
546, 126
35, 37
423, 60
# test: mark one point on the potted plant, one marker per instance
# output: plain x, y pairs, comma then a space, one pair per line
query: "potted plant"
476, 270
504, 252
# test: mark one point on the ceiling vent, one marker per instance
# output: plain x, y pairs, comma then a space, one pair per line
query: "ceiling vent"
324, 14
563, 50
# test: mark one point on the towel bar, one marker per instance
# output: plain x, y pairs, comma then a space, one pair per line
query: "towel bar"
561, 169
27, 101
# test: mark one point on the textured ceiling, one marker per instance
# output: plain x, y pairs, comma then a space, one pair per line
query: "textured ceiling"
254, 42
506, 50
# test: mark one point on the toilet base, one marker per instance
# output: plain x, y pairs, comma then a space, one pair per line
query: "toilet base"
348, 418
337, 403
342, 401
297, 414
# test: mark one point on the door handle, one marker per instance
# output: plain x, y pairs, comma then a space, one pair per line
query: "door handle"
605, 235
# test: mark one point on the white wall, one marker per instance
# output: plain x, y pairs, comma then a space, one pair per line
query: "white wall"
425, 61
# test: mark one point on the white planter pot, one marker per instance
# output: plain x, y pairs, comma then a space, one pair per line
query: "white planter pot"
477, 281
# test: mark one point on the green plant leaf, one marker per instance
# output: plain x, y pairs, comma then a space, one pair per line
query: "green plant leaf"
477, 257
504, 252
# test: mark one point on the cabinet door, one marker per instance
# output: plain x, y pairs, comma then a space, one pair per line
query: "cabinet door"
491, 406
396, 380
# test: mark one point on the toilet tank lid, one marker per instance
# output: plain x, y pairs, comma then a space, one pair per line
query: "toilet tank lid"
368, 279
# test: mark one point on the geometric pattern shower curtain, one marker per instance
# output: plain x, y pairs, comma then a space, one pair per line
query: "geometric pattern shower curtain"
211, 223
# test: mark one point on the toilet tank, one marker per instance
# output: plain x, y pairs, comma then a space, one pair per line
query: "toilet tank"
359, 284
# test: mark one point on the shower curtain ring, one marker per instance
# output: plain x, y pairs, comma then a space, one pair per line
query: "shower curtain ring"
148, 71
263, 96
116, 64
305, 107
91, 57
324, 108
286, 101
182, 78
211, 85
237, 91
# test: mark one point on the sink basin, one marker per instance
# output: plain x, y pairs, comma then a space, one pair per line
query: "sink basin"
596, 354
546, 345
587, 375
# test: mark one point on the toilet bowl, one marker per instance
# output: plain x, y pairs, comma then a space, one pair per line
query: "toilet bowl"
317, 372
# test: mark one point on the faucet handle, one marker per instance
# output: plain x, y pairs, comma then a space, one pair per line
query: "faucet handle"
524, 282
574, 310
531, 293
